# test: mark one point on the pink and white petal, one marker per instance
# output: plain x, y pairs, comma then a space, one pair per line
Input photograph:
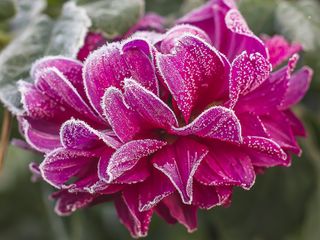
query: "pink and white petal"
138, 54
299, 84
150, 107
248, 71
184, 214
125, 122
55, 85
67, 203
179, 162
295, 123
77, 134
265, 152
126, 157
279, 49
230, 163
37, 105
61, 165
171, 37
271, 92
214, 123
39, 139
112, 63
221, 20
279, 129
70, 68
192, 69
139, 173
151, 192
127, 209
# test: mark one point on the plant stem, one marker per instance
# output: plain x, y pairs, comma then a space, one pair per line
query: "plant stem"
5, 134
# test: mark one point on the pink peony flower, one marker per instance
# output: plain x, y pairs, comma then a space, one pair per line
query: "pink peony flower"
166, 124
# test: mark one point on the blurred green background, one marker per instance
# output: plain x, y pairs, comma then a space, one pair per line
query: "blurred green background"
284, 204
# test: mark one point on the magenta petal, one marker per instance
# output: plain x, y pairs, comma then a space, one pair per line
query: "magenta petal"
39, 106
207, 197
124, 121
67, 203
193, 69
61, 164
265, 152
150, 21
127, 209
248, 71
221, 20
40, 140
179, 162
92, 41
226, 164
279, 129
126, 157
70, 68
185, 214
279, 49
299, 83
163, 211
271, 92
151, 192
151, 108
170, 39
76, 134
215, 123
55, 85
295, 123
111, 64
251, 125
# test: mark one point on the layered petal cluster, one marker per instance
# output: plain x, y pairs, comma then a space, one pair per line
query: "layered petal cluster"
165, 123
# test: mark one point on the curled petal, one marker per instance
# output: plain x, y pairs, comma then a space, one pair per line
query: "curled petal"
279, 129
61, 164
54, 84
265, 152
126, 157
151, 108
221, 20
76, 134
70, 68
207, 197
112, 63
179, 162
215, 123
299, 83
125, 122
127, 208
184, 214
151, 192
248, 71
193, 69
38, 138
295, 123
279, 49
67, 203
226, 164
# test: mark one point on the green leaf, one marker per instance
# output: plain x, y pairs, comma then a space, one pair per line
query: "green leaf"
300, 21
42, 37
69, 31
26, 11
17, 57
113, 17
